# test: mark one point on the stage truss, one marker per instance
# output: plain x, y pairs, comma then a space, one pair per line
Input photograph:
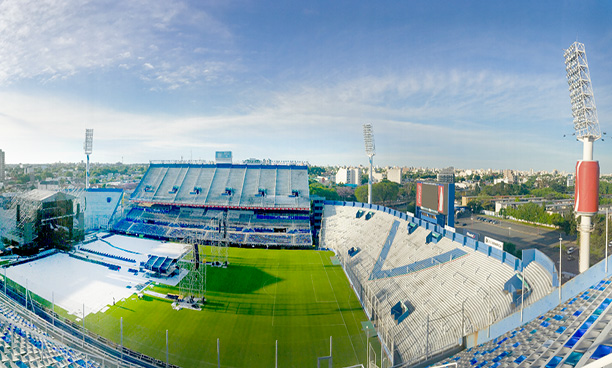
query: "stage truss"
18, 217
192, 287
219, 242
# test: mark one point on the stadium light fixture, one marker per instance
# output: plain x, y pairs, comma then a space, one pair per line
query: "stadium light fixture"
368, 137
584, 111
588, 131
88, 147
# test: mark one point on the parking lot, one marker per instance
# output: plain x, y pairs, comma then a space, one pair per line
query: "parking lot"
524, 237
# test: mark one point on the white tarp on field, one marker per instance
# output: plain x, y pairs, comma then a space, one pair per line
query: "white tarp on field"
71, 282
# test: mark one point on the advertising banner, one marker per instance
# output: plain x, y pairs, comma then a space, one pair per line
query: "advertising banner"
587, 187
494, 243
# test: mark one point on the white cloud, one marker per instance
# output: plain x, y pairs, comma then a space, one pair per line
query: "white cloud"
438, 119
46, 40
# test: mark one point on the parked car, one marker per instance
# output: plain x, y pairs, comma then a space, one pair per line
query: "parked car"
571, 250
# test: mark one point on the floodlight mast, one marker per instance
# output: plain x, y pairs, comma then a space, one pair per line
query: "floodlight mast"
588, 131
368, 137
88, 147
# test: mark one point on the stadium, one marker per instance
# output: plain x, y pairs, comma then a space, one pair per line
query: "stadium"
213, 264
235, 265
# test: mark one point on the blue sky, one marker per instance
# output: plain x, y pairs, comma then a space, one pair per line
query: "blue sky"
470, 84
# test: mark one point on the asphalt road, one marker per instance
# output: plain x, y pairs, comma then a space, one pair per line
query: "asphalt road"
525, 237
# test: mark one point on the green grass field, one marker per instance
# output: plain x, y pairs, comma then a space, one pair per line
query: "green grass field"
294, 296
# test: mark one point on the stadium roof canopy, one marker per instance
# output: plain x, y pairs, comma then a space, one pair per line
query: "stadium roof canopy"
239, 186
39, 195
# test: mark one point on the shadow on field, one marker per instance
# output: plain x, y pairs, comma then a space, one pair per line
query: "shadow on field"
122, 307
278, 309
148, 298
238, 279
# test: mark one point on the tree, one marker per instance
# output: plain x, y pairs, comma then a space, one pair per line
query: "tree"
598, 237
315, 170
605, 187
346, 193
317, 189
548, 193
385, 191
529, 212
407, 191
568, 225
511, 248
504, 189
361, 193
475, 205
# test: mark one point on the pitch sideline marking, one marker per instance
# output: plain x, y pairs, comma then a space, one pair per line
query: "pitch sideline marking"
315, 292
348, 334
348, 300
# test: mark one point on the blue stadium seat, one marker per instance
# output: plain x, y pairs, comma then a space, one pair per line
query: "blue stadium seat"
573, 358
554, 361
601, 351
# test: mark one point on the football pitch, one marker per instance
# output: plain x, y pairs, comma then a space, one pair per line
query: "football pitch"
293, 299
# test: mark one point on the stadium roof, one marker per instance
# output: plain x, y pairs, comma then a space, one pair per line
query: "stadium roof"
46, 195
270, 187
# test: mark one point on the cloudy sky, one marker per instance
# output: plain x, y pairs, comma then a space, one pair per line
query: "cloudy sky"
472, 84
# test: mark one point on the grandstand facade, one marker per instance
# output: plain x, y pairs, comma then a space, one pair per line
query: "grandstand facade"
426, 289
99, 206
253, 204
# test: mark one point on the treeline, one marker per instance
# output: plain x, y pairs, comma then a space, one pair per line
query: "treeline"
532, 212
598, 238
536, 213
385, 193
331, 193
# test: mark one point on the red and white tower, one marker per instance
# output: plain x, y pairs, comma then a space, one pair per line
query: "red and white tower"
587, 129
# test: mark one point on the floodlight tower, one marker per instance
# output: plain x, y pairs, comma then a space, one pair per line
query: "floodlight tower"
368, 137
587, 129
88, 146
